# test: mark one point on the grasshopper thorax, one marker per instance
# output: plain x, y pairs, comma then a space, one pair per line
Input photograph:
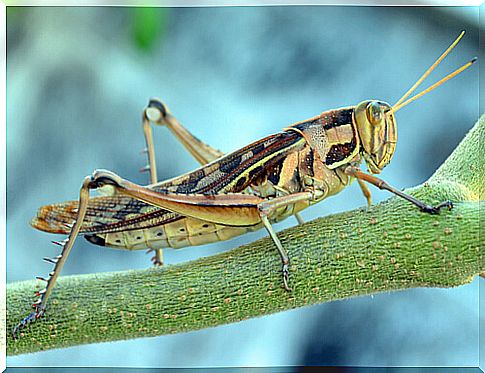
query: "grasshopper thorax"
377, 132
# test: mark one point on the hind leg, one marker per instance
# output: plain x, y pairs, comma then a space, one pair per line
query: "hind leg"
156, 112
58, 261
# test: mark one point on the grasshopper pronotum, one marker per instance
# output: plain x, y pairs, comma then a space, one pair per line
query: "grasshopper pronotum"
229, 195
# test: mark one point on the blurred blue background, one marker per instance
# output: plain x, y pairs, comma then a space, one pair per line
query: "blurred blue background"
78, 79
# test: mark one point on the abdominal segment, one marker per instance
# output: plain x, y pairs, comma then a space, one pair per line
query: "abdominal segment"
177, 234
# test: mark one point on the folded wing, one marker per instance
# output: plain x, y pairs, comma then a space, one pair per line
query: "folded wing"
104, 214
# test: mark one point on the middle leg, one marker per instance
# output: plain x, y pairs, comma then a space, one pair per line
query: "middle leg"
226, 209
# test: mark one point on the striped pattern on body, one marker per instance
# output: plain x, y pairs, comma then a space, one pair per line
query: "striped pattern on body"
291, 161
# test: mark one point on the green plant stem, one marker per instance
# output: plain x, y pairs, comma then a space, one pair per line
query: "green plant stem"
392, 246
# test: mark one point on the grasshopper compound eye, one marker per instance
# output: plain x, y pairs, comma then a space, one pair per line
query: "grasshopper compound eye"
374, 113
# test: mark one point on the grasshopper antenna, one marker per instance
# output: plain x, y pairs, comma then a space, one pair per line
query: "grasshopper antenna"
431, 68
427, 90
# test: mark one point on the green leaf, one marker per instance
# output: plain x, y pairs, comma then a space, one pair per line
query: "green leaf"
149, 25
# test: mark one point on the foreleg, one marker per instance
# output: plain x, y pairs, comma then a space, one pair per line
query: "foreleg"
381, 184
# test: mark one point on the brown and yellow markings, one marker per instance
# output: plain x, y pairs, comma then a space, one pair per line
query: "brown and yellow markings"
222, 175
340, 135
256, 163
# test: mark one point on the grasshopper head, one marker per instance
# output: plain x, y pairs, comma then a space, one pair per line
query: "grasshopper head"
375, 119
377, 131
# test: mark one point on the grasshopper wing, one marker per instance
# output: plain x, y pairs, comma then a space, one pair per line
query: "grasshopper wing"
104, 214
231, 173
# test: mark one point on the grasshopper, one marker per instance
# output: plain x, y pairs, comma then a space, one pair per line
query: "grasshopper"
254, 187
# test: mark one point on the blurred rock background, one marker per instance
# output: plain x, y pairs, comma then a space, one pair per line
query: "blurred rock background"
78, 79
